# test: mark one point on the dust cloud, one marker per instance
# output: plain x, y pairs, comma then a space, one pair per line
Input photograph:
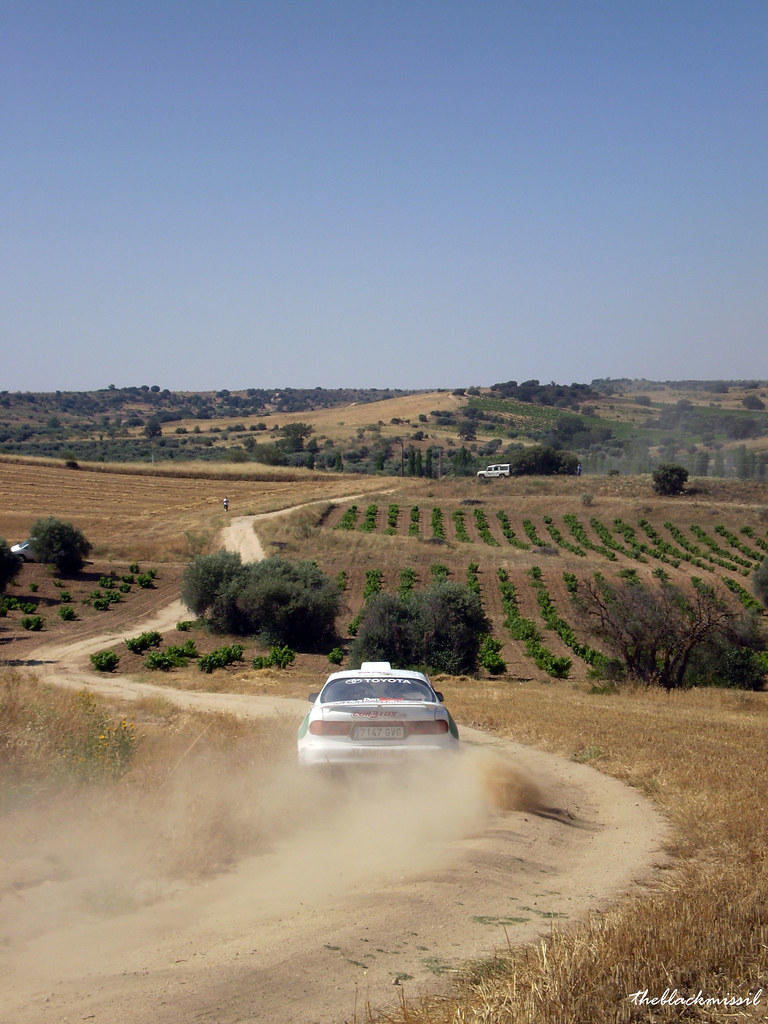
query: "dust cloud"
89, 879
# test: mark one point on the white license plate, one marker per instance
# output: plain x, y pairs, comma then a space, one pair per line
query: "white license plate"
378, 732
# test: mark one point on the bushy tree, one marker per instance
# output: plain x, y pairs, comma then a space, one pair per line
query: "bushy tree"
440, 627
387, 632
671, 637
279, 601
59, 543
541, 460
10, 564
669, 478
206, 576
451, 622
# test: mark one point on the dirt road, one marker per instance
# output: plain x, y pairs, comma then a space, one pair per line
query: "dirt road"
368, 889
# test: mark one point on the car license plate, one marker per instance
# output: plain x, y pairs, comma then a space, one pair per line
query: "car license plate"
379, 732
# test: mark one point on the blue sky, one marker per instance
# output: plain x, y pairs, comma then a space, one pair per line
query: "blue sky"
381, 193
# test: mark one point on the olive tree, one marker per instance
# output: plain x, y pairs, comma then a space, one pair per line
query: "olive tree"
59, 543
206, 576
440, 627
279, 601
669, 478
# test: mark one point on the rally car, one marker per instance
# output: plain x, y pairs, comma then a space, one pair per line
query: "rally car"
375, 715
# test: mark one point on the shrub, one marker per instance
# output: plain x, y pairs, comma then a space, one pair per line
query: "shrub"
221, 658
373, 578
348, 519
171, 657
67, 612
142, 642
490, 657
280, 656
281, 602
105, 661
439, 627
161, 660
205, 577
60, 544
34, 623
369, 521
336, 656
669, 478
407, 579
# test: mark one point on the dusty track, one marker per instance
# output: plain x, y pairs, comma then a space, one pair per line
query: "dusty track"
388, 887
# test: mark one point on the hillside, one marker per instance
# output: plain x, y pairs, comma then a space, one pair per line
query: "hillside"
715, 428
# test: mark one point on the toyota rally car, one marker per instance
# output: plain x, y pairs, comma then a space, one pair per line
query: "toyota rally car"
375, 715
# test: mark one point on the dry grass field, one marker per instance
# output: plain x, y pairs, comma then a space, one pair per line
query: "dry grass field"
701, 756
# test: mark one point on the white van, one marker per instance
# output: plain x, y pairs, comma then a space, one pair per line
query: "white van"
500, 470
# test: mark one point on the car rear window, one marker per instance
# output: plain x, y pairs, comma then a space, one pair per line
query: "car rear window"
376, 688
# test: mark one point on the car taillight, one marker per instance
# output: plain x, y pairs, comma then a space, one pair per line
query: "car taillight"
428, 727
319, 728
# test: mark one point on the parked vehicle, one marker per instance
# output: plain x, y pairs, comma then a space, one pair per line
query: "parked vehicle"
501, 469
26, 551
375, 715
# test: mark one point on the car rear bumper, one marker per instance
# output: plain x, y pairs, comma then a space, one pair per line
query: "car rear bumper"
319, 755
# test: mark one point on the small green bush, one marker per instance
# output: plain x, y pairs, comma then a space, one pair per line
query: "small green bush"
336, 656
172, 657
221, 658
490, 657
142, 642
34, 623
280, 656
105, 661
67, 612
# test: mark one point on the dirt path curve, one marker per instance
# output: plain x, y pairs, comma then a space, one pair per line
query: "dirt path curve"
388, 888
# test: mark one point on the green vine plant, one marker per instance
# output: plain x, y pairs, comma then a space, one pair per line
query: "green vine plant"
525, 630
509, 533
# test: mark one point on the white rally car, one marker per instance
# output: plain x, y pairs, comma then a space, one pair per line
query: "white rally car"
375, 715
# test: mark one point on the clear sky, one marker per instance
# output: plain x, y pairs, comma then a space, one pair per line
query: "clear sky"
207, 194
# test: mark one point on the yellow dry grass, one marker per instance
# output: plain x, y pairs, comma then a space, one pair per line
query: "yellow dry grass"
167, 513
703, 926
